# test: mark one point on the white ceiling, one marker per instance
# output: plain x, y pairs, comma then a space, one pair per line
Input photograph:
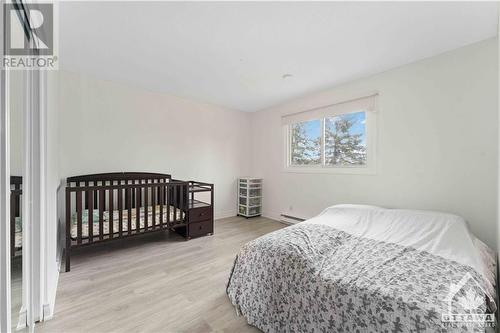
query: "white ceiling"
234, 54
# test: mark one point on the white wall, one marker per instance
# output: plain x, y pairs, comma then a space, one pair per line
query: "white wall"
437, 143
107, 126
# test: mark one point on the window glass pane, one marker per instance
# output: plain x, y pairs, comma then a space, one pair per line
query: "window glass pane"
306, 143
345, 140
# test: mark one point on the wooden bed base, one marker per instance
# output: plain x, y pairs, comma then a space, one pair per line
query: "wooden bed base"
123, 196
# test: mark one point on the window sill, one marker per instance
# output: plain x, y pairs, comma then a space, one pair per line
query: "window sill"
332, 170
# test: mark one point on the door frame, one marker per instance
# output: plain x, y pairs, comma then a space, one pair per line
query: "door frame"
34, 169
33, 203
5, 267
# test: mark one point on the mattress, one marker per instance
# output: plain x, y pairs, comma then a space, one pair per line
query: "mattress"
179, 216
365, 269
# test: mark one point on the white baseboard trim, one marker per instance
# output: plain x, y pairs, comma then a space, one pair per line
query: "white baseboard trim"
224, 214
289, 219
271, 215
280, 218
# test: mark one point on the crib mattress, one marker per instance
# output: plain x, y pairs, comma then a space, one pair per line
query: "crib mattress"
179, 215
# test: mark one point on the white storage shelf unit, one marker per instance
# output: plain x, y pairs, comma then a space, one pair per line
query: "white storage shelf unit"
249, 197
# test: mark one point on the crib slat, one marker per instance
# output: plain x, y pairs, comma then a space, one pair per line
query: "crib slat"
110, 216
146, 207
86, 197
120, 212
181, 198
79, 221
165, 194
160, 192
185, 199
167, 200
138, 209
127, 198
133, 195
82, 184
90, 210
180, 192
175, 203
129, 203
102, 203
153, 203
158, 189
95, 194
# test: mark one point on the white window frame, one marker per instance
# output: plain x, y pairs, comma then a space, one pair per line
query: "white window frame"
370, 168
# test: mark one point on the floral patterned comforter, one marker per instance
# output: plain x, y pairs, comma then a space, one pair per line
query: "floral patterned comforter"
315, 278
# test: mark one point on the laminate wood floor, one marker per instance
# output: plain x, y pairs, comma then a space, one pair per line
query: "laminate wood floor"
155, 283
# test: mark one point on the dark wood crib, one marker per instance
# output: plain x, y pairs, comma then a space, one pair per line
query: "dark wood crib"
16, 191
110, 206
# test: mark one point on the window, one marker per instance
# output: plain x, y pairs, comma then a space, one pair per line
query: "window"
345, 140
306, 143
338, 138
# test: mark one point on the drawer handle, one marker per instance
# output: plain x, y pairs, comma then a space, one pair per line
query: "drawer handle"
200, 227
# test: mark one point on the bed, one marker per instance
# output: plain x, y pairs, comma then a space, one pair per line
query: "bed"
367, 269
110, 206
17, 228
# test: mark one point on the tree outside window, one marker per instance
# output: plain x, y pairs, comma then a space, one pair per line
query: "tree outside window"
345, 140
306, 143
338, 141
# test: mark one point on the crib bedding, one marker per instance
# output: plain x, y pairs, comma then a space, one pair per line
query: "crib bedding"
337, 273
179, 215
